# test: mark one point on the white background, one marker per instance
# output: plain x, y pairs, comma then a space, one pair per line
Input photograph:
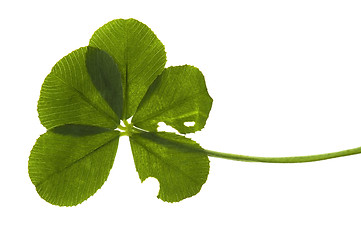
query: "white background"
285, 78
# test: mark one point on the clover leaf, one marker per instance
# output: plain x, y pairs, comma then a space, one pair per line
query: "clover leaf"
85, 104
94, 89
179, 95
68, 96
181, 171
67, 169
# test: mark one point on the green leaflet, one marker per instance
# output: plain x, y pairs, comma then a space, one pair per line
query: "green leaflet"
106, 78
68, 96
67, 169
139, 54
179, 164
177, 96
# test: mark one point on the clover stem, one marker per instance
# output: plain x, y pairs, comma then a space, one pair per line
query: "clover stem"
245, 158
295, 159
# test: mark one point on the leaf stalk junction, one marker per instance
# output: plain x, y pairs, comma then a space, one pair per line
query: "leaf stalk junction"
126, 128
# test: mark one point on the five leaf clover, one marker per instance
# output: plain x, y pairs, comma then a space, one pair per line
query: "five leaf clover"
118, 86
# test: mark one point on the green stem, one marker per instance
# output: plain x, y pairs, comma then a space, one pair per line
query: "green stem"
296, 159
245, 158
